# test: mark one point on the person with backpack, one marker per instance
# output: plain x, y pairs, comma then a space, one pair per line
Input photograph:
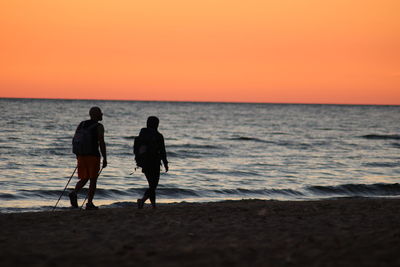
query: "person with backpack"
89, 136
149, 150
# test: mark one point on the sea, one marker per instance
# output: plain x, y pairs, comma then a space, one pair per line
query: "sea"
217, 152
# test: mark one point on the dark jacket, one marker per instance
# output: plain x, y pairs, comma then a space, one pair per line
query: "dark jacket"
154, 142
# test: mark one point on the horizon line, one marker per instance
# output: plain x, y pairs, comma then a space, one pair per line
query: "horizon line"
193, 101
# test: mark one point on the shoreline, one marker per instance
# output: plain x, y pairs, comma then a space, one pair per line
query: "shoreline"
129, 203
341, 232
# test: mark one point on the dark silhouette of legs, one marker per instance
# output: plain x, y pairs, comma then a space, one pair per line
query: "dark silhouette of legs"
80, 184
92, 189
152, 176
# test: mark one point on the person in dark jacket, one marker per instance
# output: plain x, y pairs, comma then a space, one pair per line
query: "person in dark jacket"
89, 162
152, 150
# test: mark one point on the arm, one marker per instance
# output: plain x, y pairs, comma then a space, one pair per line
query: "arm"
163, 154
102, 144
79, 126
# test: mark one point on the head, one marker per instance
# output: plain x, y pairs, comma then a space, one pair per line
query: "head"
96, 114
152, 122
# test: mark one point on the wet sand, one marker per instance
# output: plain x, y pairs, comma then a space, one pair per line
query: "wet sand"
346, 232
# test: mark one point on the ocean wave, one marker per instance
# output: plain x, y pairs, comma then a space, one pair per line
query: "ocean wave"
342, 190
24, 209
14, 138
129, 155
194, 146
199, 138
7, 196
246, 138
7, 149
184, 154
358, 190
295, 145
279, 133
53, 152
68, 137
177, 192
194, 151
236, 173
289, 144
100, 193
173, 154
382, 164
396, 145
382, 136
129, 137
259, 192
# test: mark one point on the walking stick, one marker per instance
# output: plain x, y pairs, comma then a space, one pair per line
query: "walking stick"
88, 191
65, 188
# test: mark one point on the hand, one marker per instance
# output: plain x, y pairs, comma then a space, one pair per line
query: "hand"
104, 163
166, 167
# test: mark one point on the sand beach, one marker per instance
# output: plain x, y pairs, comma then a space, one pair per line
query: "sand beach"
346, 232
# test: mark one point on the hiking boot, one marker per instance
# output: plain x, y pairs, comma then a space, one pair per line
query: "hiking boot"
140, 203
91, 206
73, 198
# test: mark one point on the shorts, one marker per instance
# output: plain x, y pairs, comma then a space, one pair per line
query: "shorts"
88, 167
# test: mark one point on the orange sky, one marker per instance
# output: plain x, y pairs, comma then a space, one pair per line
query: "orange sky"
290, 51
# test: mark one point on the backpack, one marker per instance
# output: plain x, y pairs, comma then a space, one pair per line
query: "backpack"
82, 142
144, 147
139, 149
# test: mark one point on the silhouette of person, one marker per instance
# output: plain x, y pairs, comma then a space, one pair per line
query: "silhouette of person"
153, 143
89, 161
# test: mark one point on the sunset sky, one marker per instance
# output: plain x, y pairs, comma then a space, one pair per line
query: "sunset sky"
286, 51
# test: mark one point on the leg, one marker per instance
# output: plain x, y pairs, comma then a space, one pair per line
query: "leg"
152, 178
93, 172
92, 189
82, 174
88, 167
79, 185
148, 192
152, 173
73, 196
153, 188
146, 195
141, 201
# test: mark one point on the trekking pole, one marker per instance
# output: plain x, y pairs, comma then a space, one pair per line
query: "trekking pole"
65, 188
88, 191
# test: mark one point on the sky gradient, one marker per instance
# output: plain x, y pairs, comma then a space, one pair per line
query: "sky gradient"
285, 51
